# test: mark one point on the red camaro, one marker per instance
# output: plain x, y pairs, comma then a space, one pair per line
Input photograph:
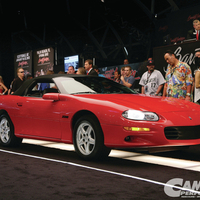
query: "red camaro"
95, 114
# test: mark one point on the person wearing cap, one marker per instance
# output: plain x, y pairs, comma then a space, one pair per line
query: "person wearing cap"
152, 81
178, 77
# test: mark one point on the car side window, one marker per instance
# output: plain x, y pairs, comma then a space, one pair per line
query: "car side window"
33, 91
38, 89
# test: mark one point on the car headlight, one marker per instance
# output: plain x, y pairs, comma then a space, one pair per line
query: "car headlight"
140, 115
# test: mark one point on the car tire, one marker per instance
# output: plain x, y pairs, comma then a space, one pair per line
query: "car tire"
88, 139
7, 137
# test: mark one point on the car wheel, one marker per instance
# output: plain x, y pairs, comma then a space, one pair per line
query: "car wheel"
7, 137
88, 139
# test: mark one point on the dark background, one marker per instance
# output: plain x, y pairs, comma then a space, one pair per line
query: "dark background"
97, 29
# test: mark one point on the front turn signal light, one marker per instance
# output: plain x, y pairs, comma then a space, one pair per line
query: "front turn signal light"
136, 129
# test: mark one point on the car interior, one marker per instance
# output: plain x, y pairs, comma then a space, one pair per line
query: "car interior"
35, 90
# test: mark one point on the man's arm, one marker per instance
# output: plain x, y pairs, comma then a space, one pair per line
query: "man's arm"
142, 90
14, 86
189, 87
125, 83
189, 82
189, 34
159, 89
165, 90
197, 79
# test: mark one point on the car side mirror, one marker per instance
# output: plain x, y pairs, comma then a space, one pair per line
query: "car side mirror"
51, 96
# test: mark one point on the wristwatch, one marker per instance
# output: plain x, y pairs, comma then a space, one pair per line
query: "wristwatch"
188, 94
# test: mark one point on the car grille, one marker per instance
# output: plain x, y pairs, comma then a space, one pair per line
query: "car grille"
182, 132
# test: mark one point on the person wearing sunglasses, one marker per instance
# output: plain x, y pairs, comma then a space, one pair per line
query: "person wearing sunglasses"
19, 80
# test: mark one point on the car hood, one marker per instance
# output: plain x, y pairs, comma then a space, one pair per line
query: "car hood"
145, 103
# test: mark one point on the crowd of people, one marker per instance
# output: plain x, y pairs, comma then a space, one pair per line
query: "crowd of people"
178, 81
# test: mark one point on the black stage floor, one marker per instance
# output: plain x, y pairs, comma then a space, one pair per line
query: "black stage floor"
32, 171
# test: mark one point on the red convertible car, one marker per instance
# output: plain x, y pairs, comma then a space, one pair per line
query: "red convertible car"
95, 114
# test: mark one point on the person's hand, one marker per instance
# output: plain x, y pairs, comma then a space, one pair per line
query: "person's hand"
122, 78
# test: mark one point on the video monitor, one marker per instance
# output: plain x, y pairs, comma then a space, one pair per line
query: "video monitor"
71, 61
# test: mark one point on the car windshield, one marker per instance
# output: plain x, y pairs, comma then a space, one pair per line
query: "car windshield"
90, 85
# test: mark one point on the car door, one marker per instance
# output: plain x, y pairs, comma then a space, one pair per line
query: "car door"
19, 115
43, 115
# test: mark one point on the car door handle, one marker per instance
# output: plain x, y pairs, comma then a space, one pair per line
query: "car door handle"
19, 103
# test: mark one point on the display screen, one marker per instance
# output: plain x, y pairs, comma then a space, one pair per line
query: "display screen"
71, 61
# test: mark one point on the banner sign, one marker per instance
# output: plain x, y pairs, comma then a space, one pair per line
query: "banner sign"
24, 60
185, 52
43, 61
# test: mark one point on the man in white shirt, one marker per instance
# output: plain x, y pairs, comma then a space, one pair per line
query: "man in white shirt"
152, 81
